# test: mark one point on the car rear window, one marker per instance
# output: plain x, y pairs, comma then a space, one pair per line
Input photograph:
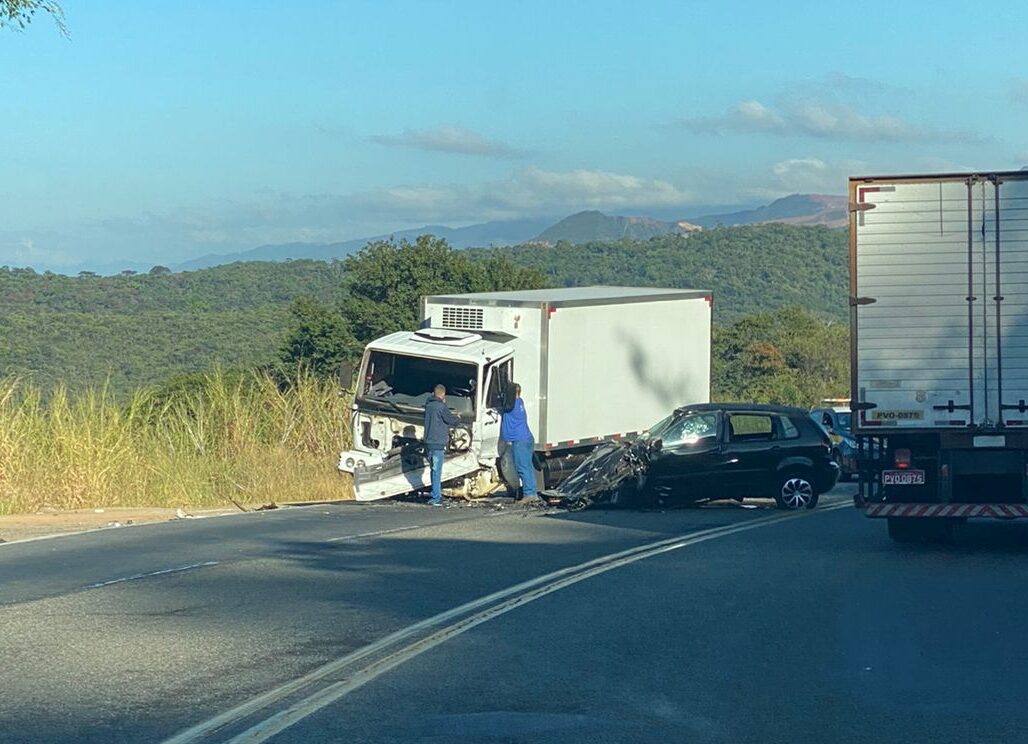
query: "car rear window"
750, 427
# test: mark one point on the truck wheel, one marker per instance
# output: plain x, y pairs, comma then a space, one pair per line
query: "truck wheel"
509, 473
795, 491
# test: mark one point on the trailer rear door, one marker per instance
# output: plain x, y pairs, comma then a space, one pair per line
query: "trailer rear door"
939, 306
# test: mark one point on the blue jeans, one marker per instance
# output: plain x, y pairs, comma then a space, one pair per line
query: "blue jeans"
435, 459
523, 464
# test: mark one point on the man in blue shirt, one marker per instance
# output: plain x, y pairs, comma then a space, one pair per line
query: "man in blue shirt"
515, 432
438, 420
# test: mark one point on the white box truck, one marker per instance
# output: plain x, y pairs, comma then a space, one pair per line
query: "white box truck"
939, 345
594, 363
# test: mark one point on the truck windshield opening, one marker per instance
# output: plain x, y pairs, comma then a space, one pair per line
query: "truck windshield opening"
407, 381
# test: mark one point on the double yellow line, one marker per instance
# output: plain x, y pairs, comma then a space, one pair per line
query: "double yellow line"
304, 696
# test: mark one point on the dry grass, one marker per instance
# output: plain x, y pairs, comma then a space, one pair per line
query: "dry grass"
245, 440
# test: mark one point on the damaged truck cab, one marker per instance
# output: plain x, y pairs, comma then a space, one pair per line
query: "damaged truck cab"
396, 377
595, 364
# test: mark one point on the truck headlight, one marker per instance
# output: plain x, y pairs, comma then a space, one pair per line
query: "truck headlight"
360, 463
349, 463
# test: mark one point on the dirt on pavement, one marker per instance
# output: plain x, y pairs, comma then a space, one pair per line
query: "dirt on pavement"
26, 526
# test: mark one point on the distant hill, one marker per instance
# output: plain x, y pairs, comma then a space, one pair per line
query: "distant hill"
592, 225
581, 227
498, 232
796, 209
749, 268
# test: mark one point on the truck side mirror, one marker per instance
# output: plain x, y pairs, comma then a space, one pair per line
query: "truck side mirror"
346, 376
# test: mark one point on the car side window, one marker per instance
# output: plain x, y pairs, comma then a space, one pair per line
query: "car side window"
690, 430
750, 427
786, 428
826, 421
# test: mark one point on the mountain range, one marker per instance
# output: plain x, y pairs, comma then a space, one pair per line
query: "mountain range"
581, 227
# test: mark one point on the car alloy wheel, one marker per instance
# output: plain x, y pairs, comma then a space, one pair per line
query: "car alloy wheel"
796, 493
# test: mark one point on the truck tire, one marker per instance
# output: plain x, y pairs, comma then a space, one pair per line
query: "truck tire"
509, 473
795, 490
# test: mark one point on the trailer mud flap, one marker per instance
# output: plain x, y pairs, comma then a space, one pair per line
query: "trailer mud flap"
407, 473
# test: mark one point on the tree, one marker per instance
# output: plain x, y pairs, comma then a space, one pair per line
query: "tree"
159, 271
789, 356
18, 14
318, 339
385, 281
382, 286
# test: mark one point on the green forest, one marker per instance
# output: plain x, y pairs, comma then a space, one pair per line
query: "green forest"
750, 269
134, 330
128, 331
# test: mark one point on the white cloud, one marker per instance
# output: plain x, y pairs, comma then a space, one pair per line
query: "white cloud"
451, 139
804, 117
529, 191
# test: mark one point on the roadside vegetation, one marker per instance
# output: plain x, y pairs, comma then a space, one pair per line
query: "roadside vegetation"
209, 440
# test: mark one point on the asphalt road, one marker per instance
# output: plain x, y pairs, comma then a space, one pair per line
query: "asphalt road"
338, 623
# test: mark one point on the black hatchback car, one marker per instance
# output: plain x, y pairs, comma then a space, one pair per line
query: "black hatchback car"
707, 452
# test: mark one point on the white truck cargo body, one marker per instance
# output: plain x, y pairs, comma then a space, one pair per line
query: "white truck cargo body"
594, 363
943, 264
939, 331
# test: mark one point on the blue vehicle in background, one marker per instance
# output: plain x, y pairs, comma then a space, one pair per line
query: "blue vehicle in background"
834, 417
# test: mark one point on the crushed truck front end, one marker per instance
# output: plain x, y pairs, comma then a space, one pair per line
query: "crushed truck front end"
396, 379
939, 341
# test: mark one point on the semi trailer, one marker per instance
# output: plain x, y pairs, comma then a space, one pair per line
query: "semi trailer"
939, 348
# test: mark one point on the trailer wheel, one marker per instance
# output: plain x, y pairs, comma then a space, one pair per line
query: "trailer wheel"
795, 491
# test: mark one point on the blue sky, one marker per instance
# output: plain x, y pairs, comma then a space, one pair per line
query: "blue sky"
165, 130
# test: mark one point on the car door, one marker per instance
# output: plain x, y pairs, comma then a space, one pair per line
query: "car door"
751, 452
689, 458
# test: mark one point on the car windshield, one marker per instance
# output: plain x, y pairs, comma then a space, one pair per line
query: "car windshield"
405, 383
843, 418
681, 428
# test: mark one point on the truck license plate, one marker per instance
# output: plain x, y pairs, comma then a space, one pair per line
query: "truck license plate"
903, 478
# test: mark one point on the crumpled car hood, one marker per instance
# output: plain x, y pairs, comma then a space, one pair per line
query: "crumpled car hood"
609, 467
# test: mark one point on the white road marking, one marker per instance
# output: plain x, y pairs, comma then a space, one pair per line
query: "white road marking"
373, 534
162, 572
481, 610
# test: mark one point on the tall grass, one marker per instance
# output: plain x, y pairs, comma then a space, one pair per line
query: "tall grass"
245, 439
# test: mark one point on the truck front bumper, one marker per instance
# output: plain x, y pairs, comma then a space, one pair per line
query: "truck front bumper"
350, 460
406, 473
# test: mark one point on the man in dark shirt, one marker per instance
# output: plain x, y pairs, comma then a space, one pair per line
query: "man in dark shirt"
438, 421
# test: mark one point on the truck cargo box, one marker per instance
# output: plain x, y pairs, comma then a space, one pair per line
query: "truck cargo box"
594, 362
